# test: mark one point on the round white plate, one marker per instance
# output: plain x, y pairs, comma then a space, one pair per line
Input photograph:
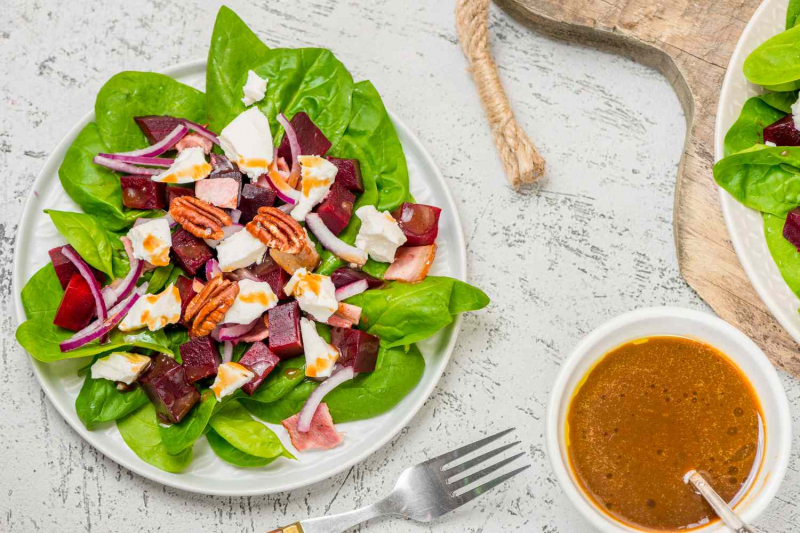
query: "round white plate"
745, 225
207, 474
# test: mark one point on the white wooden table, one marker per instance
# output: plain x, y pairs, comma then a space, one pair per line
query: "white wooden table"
592, 241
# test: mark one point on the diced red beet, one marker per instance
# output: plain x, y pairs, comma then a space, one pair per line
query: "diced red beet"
356, 348
186, 290
311, 139
419, 222
345, 276
156, 127
77, 305
284, 330
260, 361
200, 358
175, 191
337, 208
220, 164
272, 273
791, 228
348, 173
166, 386
141, 192
783, 132
252, 198
65, 268
189, 252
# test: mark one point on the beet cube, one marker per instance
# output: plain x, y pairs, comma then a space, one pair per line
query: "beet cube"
77, 305
186, 290
356, 348
337, 208
141, 192
260, 361
345, 276
189, 252
166, 386
221, 164
272, 273
252, 198
348, 174
791, 228
420, 223
156, 127
284, 330
782, 132
311, 139
174, 191
200, 358
65, 269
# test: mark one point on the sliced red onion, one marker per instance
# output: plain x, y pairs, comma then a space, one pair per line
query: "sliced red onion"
357, 287
127, 168
294, 146
334, 244
100, 328
227, 231
117, 291
310, 407
234, 332
161, 146
243, 273
86, 273
227, 352
235, 215
259, 332
201, 130
284, 191
167, 217
286, 208
139, 160
212, 269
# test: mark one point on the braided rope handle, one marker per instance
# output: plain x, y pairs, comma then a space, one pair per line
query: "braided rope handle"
522, 163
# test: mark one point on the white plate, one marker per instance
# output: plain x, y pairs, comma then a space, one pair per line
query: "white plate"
745, 225
207, 474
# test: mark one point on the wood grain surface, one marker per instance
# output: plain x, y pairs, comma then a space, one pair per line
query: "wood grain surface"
690, 42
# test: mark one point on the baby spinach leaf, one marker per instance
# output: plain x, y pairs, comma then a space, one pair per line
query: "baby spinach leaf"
782, 101
763, 178
130, 94
784, 253
99, 401
232, 455
42, 295
280, 382
288, 405
159, 278
775, 64
404, 313
234, 424
234, 50
140, 431
748, 129
99, 247
791, 13
178, 437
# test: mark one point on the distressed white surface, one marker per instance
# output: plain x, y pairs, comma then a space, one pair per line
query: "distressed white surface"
592, 241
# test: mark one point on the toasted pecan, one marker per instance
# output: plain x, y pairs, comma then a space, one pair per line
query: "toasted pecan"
199, 218
208, 307
277, 230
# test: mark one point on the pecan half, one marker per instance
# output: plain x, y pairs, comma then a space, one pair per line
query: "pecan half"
209, 306
278, 230
199, 218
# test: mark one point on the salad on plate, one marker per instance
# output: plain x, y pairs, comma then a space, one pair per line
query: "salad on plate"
249, 254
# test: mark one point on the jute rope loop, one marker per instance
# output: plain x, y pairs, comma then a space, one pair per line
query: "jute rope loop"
521, 161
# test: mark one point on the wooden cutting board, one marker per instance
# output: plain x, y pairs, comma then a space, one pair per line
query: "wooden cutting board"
690, 42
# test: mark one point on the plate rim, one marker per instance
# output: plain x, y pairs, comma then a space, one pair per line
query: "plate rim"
177, 481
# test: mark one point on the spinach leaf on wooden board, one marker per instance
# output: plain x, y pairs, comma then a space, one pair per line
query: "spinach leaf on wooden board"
763, 178
97, 246
775, 64
782, 101
234, 424
230, 454
288, 405
404, 313
784, 253
41, 296
748, 130
140, 431
791, 13
130, 94
234, 50
99, 401
280, 382
178, 437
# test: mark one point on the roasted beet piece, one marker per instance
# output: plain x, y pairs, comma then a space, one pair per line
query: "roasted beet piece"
311, 139
189, 252
141, 192
272, 273
187, 292
284, 330
77, 305
420, 223
174, 191
337, 208
791, 228
252, 198
783, 132
156, 127
348, 174
356, 348
200, 357
345, 276
260, 361
65, 269
166, 386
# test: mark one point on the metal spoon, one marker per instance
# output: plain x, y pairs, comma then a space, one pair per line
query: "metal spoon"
727, 515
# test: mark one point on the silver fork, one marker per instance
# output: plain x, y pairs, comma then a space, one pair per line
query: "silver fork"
423, 492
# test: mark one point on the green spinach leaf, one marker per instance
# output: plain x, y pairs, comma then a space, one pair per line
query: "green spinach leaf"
234, 424
748, 130
99, 401
233, 455
775, 64
791, 13
41, 296
290, 404
785, 255
99, 247
782, 101
280, 382
178, 437
160, 277
140, 431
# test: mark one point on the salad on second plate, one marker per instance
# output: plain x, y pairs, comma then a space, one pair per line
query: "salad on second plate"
252, 251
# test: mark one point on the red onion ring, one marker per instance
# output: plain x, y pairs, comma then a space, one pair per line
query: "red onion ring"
139, 160
334, 244
115, 292
212, 269
100, 328
161, 146
86, 274
201, 130
227, 231
294, 146
357, 287
310, 407
235, 215
234, 332
227, 352
127, 168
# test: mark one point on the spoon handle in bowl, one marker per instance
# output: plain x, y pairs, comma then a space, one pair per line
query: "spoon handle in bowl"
722, 509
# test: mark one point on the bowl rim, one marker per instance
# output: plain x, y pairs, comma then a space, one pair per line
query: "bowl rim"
780, 417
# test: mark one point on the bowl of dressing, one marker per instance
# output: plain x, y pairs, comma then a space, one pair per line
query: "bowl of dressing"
655, 393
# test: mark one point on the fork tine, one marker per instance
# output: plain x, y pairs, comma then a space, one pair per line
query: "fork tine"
449, 457
464, 481
466, 465
486, 487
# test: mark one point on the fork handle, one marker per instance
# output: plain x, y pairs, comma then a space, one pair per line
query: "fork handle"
337, 523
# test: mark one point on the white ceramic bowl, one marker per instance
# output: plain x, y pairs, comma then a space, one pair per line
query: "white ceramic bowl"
686, 323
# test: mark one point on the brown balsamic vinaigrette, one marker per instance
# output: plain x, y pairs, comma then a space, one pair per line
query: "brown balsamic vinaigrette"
648, 412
